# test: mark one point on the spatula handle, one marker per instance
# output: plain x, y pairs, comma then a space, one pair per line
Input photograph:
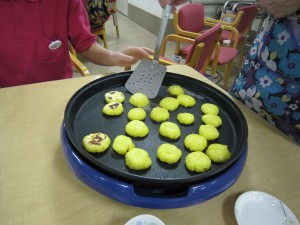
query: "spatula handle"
162, 31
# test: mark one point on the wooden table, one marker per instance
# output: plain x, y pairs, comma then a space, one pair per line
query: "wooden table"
37, 187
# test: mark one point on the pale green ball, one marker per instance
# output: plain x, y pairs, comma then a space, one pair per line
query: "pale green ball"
209, 132
159, 114
169, 153
186, 118
139, 100
122, 144
136, 114
214, 120
218, 153
195, 142
186, 100
169, 103
209, 108
136, 128
197, 162
138, 159
175, 90
170, 130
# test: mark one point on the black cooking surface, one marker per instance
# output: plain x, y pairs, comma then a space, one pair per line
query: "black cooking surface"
83, 115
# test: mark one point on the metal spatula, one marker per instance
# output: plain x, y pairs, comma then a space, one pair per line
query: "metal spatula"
148, 76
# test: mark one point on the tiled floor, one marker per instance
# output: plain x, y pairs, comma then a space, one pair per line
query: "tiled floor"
132, 34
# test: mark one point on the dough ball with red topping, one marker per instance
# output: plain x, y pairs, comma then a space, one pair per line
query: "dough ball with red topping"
96, 142
114, 96
113, 109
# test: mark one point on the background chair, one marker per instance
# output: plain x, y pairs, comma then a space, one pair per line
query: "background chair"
242, 20
225, 55
78, 65
98, 13
112, 8
100, 32
221, 55
200, 50
189, 22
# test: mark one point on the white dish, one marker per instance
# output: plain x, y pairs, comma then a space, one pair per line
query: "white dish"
145, 219
259, 208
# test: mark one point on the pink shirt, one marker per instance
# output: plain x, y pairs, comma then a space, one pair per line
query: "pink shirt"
28, 27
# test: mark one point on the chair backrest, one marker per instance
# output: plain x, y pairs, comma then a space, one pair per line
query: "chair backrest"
112, 6
247, 19
189, 17
97, 11
79, 66
210, 39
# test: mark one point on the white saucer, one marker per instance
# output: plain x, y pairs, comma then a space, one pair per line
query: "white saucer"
259, 208
145, 219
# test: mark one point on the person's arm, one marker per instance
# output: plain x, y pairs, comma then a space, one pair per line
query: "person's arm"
127, 57
163, 3
280, 8
85, 43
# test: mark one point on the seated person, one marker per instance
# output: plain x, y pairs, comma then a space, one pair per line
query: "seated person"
98, 12
35, 40
269, 82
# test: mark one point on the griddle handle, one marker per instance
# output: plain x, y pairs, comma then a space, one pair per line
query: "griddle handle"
174, 191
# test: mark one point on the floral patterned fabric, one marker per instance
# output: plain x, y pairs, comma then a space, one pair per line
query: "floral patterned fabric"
269, 81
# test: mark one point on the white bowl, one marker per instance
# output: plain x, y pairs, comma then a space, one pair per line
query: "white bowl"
256, 208
144, 219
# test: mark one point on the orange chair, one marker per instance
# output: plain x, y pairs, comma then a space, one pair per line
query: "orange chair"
200, 49
112, 8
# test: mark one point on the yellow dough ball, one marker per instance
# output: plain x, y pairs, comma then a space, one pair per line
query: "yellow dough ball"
136, 114
195, 142
209, 132
96, 142
159, 114
170, 130
168, 153
139, 100
209, 108
186, 100
136, 128
197, 162
169, 103
113, 109
122, 144
218, 153
175, 90
185, 118
214, 120
114, 96
138, 159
